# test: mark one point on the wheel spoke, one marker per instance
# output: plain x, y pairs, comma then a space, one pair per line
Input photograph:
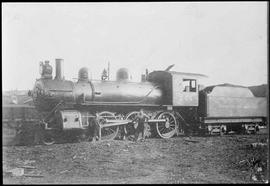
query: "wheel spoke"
171, 128
162, 129
110, 130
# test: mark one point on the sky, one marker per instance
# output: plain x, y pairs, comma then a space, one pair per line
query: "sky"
227, 41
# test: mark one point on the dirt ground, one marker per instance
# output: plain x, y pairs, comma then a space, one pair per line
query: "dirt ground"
215, 159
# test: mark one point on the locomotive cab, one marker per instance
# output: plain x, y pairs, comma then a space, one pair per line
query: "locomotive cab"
179, 88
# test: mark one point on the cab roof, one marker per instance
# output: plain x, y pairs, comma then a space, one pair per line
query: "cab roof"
194, 75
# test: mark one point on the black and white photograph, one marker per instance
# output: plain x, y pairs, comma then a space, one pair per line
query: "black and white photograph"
135, 92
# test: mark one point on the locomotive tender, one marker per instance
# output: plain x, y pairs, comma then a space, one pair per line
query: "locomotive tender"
172, 101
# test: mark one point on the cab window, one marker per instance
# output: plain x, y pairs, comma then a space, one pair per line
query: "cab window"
189, 85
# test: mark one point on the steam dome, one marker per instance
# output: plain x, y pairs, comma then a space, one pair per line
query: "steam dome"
122, 74
83, 74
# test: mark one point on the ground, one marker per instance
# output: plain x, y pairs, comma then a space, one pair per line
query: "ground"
214, 159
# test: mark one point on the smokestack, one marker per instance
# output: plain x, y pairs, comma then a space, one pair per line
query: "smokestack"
58, 69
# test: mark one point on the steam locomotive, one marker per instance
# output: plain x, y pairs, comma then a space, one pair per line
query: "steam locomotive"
172, 102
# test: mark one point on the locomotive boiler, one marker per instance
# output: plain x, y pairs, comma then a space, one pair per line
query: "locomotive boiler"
48, 92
